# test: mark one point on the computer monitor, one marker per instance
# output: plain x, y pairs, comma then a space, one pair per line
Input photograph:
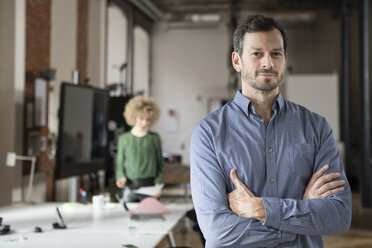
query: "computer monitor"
82, 136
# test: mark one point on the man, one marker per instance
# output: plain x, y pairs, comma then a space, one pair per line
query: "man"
265, 172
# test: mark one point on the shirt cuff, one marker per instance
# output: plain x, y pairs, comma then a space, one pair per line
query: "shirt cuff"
158, 180
273, 213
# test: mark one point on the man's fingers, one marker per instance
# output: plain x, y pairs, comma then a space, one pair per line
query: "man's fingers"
330, 186
235, 179
325, 179
332, 192
318, 174
239, 185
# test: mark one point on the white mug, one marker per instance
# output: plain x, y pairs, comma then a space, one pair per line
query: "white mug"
98, 202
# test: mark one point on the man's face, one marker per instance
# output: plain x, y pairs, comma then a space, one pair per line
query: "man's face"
263, 60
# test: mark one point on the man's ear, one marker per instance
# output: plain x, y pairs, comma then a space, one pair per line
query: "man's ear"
236, 61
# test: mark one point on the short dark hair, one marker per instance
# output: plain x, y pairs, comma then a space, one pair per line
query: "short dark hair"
255, 23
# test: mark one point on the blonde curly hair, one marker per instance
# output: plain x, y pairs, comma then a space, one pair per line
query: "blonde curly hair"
141, 105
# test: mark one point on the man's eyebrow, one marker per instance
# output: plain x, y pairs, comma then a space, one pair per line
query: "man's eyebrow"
278, 49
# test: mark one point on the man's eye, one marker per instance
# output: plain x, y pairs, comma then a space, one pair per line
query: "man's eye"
277, 54
256, 54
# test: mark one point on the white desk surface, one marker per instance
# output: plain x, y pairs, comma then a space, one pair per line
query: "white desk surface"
109, 227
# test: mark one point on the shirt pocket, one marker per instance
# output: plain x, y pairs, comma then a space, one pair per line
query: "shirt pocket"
300, 158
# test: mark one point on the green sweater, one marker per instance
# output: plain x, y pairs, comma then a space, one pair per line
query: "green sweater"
139, 157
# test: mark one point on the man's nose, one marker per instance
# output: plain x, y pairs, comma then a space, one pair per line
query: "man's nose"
267, 62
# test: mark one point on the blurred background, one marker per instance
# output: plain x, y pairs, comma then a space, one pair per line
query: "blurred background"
178, 52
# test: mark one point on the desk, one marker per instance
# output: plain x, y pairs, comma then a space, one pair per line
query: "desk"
109, 227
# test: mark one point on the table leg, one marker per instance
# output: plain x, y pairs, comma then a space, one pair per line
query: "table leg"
171, 239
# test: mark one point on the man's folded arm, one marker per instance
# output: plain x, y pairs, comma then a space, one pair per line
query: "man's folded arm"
314, 216
220, 226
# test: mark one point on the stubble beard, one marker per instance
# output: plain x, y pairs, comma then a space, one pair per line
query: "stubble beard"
265, 86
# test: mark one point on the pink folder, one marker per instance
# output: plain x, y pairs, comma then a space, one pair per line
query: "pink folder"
148, 207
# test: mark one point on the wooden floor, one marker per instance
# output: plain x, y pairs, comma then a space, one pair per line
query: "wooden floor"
359, 235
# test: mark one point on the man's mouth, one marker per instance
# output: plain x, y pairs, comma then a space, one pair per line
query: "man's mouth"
266, 73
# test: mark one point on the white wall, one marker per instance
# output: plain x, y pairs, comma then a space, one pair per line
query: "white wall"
190, 66
96, 42
141, 60
319, 93
116, 43
12, 67
63, 52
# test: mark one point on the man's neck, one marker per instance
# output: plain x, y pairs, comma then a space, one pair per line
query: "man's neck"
262, 101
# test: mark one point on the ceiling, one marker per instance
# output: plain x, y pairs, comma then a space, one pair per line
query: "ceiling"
177, 7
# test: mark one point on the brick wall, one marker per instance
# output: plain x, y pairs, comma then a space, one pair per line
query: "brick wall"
82, 40
37, 35
37, 59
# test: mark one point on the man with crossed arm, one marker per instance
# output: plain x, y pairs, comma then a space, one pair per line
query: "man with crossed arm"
266, 172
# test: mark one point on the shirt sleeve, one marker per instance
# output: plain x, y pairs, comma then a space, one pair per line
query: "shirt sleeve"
314, 216
160, 161
220, 226
120, 159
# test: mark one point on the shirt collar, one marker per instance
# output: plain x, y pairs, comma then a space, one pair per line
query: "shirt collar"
280, 101
244, 103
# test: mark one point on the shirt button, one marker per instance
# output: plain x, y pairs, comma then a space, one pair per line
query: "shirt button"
271, 180
262, 120
270, 149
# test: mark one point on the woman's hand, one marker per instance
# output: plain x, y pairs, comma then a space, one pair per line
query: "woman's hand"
159, 193
121, 182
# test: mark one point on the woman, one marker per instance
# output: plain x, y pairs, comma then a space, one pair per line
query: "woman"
139, 160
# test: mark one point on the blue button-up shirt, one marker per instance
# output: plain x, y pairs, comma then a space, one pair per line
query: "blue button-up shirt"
275, 161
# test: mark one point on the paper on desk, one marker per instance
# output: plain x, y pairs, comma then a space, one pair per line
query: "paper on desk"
149, 190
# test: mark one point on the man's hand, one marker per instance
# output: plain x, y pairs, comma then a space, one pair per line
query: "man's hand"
321, 186
121, 182
243, 202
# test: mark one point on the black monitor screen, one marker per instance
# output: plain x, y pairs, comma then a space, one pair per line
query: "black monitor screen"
82, 136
